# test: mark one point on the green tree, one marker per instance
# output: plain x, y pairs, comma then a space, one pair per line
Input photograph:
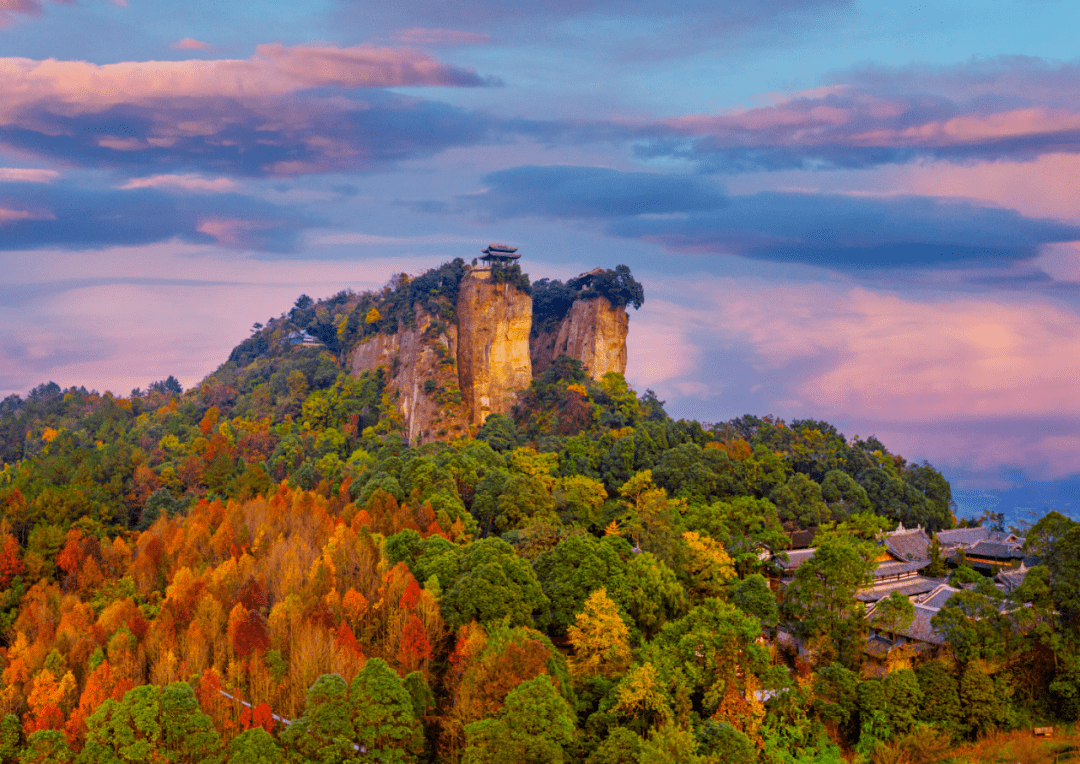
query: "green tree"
10, 734
500, 433
669, 745
1062, 557
187, 734
941, 695
1043, 536
579, 499
621, 746
494, 583
843, 495
800, 499
747, 527
712, 653
894, 613
151, 719
255, 746
980, 697
752, 595
937, 567
971, 622
575, 568
523, 497
904, 697
836, 691
820, 602
384, 722
650, 594
46, 747
325, 733
721, 743
535, 726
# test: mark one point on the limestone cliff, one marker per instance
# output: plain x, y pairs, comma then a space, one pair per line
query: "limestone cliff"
462, 349
494, 321
422, 377
593, 331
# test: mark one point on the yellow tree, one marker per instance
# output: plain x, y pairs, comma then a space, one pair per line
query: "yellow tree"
653, 516
709, 566
601, 639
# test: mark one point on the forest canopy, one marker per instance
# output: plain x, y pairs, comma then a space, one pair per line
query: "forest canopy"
586, 579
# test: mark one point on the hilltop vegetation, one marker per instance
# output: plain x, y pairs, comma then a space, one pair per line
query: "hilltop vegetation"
585, 580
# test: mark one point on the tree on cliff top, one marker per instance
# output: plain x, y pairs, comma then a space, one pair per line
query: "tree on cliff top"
618, 286
552, 299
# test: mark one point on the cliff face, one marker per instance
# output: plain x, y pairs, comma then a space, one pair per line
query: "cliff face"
446, 380
593, 331
493, 360
412, 357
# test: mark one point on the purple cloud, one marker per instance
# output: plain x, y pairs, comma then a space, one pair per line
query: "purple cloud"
285, 111
691, 214
33, 216
986, 109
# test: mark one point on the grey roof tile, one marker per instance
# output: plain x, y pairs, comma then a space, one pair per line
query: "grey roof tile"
908, 587
996, 551
963, 536
796, 558
909, 545
897, 568
938, 597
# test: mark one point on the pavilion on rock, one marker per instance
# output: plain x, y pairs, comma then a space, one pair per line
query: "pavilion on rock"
499, 253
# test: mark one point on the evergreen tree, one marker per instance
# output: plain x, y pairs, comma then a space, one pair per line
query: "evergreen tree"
255, 746
535, 727
383, 720
936, 568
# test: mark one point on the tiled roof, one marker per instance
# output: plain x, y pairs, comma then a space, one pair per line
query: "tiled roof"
962, 536
876, 647
1011, 579
938, 597
896, 568
909, 545
796, 558
908, 587
993, 551
921, 629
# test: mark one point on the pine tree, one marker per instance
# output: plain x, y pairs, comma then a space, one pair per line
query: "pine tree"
936, 568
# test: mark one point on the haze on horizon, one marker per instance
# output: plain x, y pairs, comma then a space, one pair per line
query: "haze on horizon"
861, 212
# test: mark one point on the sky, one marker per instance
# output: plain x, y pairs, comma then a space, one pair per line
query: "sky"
861, 212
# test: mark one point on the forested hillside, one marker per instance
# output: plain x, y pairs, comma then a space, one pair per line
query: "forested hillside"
184, 572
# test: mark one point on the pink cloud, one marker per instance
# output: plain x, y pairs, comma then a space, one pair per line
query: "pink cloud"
192, 305
422, 36
896, 357
189, 44
979, 382
8, 9
186, 182
863, 119
237, 233
888, 357
1045, 186
78, 87
12, 216
258, 115
27, 175
1009, 108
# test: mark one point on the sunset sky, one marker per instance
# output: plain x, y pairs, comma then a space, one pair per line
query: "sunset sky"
862, 212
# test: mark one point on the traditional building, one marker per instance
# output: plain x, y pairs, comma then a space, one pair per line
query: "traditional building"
983, 542
499, 253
